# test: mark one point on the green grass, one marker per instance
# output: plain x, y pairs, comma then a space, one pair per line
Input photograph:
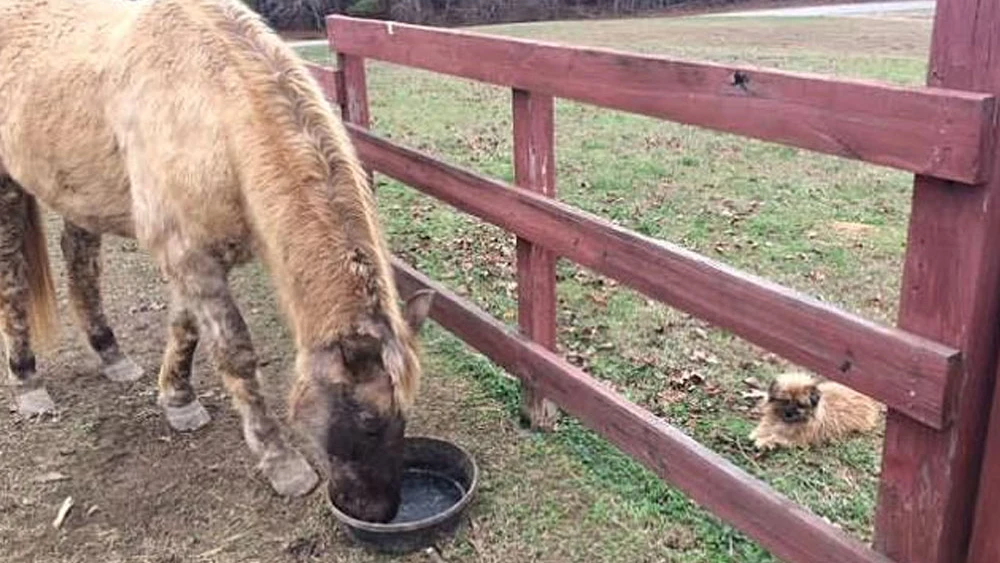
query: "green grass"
830, 227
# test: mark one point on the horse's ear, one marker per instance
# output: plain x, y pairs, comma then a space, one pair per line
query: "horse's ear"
358, 349
417, 308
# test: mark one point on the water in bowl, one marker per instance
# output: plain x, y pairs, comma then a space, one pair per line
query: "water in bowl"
425, 494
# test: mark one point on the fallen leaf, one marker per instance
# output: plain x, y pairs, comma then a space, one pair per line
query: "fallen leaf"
704, 358
816, 275
686, 380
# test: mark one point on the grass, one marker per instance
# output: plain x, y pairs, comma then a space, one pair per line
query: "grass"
829, 227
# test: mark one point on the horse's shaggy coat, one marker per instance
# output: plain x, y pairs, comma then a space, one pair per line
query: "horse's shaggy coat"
189, 125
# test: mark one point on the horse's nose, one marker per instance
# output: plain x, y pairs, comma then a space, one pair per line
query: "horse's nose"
369, 508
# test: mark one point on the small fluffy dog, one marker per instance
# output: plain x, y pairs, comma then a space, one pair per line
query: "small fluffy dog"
799, 411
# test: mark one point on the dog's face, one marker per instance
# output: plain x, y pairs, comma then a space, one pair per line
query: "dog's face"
793, 400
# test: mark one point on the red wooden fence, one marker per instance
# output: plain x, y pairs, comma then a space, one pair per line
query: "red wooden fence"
535, 169
935, 371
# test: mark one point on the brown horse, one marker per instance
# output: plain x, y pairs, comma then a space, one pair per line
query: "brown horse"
190, 126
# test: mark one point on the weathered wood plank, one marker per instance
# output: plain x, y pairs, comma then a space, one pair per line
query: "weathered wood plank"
950, 290
534, 169
905, 371
329, 81
783, 527
353, 95
985, 543
925, 130
353, 92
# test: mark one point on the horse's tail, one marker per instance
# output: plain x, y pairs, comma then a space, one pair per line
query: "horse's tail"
41, 289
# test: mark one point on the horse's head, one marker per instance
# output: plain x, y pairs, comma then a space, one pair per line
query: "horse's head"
351, 399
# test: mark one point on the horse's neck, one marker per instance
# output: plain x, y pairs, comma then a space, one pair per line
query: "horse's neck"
321, 242
306, 194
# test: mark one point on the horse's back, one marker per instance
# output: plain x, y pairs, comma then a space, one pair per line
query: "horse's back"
54, 138
118, 114
178, 107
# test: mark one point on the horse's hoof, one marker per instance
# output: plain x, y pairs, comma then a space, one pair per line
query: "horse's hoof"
290, 474
35, 402
122, 371
188, 418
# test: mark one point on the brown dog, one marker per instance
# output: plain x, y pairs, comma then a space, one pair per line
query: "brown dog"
799, 411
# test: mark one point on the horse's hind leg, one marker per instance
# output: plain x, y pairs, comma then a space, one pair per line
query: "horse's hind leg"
177, 397
82, 252
31, 395
201, 281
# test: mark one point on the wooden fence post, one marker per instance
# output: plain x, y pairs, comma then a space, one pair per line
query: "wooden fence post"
985, 544
950, 293
534, 169
353, 96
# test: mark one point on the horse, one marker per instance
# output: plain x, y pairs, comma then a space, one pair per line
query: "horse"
191, 127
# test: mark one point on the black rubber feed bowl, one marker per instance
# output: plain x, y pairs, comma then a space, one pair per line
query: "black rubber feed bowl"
439, 481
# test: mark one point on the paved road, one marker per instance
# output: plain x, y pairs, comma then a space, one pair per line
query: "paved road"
307, 42
806, 11
836, 9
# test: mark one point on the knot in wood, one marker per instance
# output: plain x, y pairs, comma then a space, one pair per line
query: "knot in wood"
741, 79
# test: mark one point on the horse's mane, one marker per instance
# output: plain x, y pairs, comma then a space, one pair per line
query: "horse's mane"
334, 201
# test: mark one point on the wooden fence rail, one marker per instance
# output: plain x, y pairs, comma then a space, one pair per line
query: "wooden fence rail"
937, 132
906, 371
936, 372
330, 80
783, 527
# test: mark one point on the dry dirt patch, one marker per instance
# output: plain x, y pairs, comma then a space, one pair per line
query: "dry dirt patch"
143, 493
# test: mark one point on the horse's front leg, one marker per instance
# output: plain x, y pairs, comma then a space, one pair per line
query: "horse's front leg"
202, 284
82, 253
30, 394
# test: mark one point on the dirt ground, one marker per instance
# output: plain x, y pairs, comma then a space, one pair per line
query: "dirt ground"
143, 493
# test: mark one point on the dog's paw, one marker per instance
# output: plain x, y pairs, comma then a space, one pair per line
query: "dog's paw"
764, 443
